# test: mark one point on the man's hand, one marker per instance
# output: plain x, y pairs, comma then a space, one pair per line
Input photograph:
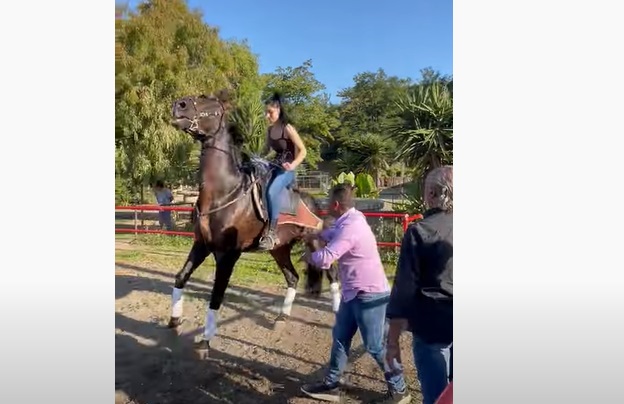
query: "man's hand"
393, 352
310, 237
305, 257
393, 347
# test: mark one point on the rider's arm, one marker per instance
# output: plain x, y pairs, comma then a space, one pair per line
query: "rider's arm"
300, 149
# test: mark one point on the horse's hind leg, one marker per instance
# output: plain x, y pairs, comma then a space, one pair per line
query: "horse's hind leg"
225, 266
195, 258
334, 287
282, 258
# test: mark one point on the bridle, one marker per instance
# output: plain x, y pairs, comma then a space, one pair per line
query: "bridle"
194, 130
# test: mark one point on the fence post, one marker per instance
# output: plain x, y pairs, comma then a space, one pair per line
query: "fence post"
405, 222
136, 223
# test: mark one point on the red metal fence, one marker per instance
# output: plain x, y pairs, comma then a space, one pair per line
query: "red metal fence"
404, 218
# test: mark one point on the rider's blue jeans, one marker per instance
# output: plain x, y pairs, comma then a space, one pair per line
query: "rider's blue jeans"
281, 179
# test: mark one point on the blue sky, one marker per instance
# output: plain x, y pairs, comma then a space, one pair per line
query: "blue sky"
342, 37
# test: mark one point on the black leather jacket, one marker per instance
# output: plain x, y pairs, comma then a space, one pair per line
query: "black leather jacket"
423, 287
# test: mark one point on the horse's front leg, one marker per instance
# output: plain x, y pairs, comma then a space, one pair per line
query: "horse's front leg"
198, 254
225, 266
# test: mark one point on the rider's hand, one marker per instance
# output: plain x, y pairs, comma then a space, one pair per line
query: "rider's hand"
288, 166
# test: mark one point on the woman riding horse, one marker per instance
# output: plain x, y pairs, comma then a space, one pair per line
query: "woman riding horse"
290, 152
227, 220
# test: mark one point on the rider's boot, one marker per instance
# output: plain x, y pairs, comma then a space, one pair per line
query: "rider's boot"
269, 239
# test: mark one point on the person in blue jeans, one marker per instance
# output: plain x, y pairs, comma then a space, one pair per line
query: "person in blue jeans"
283, 139
422, 295
164, 197
365, 295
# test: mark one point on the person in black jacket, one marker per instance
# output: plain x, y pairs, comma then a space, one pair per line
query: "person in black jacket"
421, 300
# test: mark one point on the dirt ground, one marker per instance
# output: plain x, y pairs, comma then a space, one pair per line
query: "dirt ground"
249, 362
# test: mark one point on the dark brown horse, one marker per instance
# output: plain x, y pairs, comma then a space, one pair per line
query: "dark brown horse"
230, 213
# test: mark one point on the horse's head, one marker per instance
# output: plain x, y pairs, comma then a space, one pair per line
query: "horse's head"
202, 116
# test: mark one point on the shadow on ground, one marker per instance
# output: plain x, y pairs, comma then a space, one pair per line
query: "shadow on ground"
163, 368
155, 365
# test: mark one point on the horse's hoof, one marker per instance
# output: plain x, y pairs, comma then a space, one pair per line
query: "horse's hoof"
280, 321
202, 348
174, 322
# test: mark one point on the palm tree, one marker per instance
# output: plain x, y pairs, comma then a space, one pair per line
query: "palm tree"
348, 161
368, 153
250, 123
425, 135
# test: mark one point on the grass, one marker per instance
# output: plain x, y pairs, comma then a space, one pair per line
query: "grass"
170, 252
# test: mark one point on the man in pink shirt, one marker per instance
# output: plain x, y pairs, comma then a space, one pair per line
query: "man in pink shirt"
365, 295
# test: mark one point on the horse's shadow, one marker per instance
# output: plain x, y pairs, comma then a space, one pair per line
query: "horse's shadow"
253, 304
164, 369
167, 372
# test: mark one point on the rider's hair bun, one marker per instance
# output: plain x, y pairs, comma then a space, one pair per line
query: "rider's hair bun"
277, 97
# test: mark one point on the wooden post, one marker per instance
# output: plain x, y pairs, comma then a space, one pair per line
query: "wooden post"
136, 223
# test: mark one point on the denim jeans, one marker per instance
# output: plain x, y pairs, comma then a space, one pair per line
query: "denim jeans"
366, 312
164, 217
280, 180
434, 364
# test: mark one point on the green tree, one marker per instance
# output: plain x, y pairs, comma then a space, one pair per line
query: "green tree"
368, 105
250, 123
368, 153
165, 51
366, 112
425, 135
430, 76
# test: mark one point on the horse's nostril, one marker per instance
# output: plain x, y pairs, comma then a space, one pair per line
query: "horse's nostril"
182, 104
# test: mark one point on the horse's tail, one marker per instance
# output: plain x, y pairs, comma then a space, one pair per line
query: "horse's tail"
314, 275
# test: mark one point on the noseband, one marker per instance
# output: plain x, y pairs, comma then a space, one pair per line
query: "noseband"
194, 128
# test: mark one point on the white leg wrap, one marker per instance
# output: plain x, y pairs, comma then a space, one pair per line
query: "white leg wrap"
288, 301
210, 329
177, 301
334, 290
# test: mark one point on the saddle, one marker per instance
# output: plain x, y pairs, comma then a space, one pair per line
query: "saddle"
293, 210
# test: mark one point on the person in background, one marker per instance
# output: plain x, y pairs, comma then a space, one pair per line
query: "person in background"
164, 197
290, 152
365, 292
422, 295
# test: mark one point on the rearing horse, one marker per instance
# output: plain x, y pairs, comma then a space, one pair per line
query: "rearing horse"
230, 212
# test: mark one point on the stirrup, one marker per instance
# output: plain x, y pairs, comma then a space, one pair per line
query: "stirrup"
268, 241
